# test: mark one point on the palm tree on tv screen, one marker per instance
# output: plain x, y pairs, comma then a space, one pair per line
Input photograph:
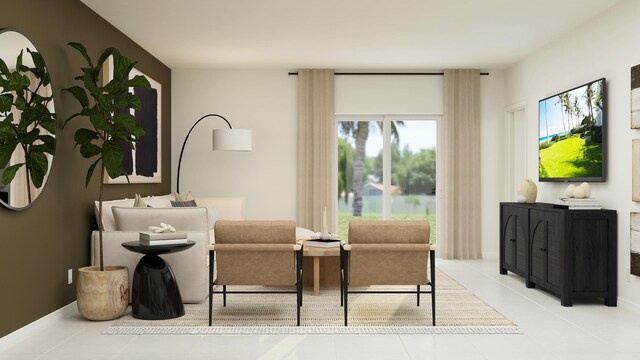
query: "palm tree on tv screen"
561, 103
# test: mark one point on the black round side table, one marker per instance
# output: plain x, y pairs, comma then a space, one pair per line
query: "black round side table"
155, 294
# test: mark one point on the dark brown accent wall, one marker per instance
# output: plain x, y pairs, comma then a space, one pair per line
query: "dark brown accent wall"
39, 244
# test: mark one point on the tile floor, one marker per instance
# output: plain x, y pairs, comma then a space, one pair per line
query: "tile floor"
588, 330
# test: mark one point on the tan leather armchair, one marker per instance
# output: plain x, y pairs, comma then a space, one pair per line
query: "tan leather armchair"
387, 252
255, 253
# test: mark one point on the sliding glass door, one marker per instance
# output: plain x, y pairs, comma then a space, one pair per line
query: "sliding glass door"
387, 168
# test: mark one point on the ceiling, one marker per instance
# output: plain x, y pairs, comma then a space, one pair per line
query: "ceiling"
345, 34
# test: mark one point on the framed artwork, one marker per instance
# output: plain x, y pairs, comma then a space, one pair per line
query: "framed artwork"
635, 170
635, 97
635, 244
142, 164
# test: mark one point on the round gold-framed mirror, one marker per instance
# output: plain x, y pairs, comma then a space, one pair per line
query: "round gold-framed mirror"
27, 121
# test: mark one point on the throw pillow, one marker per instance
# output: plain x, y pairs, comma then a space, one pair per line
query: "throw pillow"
139, 202
179, 197
190, 203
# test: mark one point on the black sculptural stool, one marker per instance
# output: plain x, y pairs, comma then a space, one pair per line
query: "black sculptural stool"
155, 294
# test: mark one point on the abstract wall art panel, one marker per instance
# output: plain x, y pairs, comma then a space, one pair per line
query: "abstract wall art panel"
635, 97
143, 164
635, 244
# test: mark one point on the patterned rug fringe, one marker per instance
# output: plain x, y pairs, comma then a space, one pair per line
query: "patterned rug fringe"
311, 330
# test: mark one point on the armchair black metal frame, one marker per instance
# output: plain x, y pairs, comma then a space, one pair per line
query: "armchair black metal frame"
224, 292
344, 285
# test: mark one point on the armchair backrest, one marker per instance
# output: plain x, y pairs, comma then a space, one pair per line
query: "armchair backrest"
255, 252
388, 252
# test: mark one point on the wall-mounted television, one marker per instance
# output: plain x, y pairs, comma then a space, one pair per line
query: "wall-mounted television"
572, 134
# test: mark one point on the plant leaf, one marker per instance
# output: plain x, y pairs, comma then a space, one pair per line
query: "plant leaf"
89, 150
99, 121
16, 82
85, 136
29, 137
82, 50
104, 56
139, 81
90, 172
134, 102
6, 102
4, 69
112, 158
79, 94
49, 124
38, 62
6, 150
10, 172
38, 165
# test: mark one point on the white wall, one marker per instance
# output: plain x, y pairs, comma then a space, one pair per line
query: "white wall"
606, 46
493, 182
388, 94
263, 101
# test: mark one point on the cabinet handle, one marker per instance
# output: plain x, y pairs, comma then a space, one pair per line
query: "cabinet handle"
543, 249
512, 240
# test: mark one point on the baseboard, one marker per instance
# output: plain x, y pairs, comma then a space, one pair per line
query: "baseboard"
629, 304
31, 327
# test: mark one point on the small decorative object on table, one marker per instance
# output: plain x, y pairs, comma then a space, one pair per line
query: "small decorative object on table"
527, 192
164, 234
579, 198
579, 192
325, 234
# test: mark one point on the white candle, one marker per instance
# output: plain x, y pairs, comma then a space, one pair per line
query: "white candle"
325, 228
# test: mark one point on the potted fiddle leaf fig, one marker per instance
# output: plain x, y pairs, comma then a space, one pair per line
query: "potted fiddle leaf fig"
102, 291
27, 123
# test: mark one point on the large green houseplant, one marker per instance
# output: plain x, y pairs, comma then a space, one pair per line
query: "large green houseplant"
19, 98
107, 107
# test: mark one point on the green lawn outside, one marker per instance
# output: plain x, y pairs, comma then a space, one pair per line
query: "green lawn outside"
571, 157
344, 217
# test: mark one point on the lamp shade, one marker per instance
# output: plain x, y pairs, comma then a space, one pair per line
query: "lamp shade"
232, 140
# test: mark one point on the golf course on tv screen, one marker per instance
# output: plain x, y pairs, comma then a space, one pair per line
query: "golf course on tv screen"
571, 137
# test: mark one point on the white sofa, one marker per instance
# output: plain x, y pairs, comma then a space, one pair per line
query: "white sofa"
122, 222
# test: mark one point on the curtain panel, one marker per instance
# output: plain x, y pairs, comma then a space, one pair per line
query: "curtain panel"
460, 236
317, 150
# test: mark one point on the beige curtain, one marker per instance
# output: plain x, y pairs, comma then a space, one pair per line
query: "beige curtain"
460, 236
317, 150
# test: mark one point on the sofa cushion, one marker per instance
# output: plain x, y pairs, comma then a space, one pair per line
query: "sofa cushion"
139, 219
158, 201
138, 202
186, 203
107, 218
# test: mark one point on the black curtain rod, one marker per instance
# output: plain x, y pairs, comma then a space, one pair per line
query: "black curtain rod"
385, 73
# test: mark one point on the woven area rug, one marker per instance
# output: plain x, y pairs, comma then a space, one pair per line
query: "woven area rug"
458, 311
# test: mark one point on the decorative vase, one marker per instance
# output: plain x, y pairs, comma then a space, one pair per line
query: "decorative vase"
102, 295
527, 192
568, 192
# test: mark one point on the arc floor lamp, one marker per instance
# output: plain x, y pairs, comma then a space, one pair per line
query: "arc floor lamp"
223, 140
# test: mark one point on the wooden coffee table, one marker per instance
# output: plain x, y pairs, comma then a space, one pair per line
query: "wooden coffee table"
317, 253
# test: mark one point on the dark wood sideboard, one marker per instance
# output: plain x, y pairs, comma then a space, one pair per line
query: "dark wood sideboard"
572, 253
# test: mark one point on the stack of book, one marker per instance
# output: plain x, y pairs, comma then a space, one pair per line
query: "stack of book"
316, 241
150, 238
323, 243
581, 204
